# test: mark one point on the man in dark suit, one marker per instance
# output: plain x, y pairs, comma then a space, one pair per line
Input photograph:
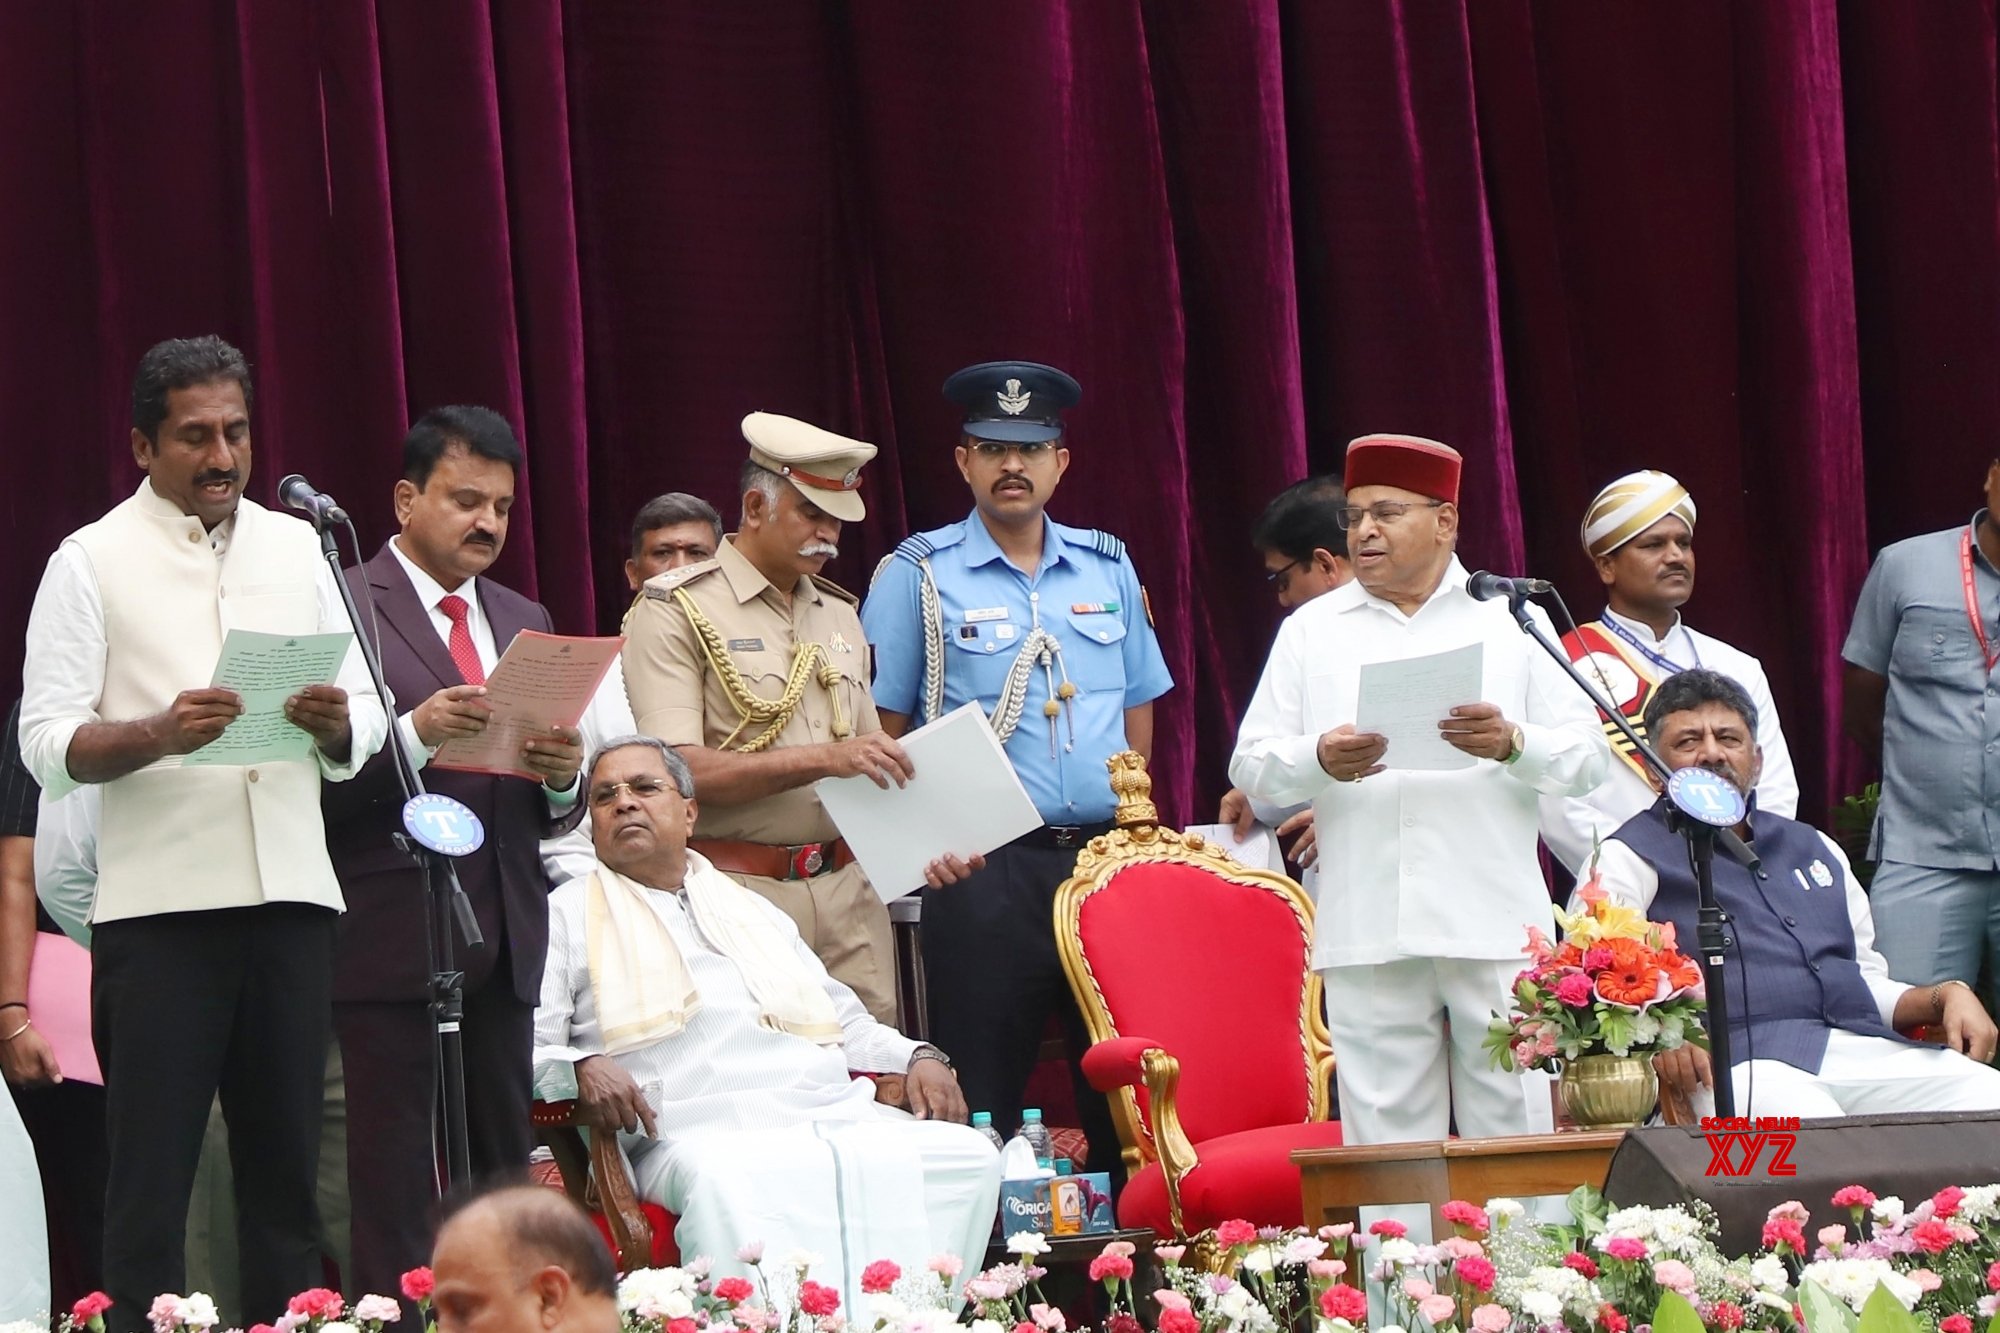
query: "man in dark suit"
442, 628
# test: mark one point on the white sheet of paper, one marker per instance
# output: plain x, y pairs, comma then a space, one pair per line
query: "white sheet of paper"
1259, 849
541, 679
965, 799
266, 670
1406, 699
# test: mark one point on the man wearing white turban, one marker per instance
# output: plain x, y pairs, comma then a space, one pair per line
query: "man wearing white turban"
1640, 533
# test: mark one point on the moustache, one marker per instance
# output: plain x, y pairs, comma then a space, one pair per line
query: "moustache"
482, 539
232, 476
1008, 482
814, 550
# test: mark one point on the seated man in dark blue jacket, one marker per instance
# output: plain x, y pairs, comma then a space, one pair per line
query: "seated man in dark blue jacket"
1814, 1015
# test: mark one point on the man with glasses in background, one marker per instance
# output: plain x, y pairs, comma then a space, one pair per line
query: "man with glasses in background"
1303, 541
1429, 873
1046, 628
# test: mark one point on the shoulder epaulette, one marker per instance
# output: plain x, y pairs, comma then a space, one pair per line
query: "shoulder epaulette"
1105, 544
827, 585
921, 546
661, 586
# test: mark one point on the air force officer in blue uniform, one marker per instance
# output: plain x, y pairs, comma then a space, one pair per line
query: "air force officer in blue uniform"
1046, 628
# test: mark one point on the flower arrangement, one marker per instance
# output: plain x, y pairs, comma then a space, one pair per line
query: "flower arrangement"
1616, 985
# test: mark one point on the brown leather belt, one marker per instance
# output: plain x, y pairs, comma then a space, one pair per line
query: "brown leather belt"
803, 861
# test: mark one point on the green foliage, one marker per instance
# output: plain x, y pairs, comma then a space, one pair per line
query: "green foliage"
1675, 1315
1883, 1313
1826, 1314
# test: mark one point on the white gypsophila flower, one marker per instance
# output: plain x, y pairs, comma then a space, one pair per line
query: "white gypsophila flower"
1768, 1272
197, 1310
377, 1309
40, 1325
1888, 1210
1027, 1243
1396, 1251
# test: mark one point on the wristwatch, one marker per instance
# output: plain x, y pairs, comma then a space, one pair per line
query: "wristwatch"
1517, 743
929, 1052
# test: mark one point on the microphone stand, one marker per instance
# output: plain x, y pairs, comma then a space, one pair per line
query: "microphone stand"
1712, 923
445, 897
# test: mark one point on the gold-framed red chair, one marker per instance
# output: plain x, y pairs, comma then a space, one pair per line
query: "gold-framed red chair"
1194, 974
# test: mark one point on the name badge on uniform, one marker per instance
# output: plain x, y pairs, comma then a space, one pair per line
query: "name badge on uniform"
1093, 608
985, 613
746, 645
1002, 632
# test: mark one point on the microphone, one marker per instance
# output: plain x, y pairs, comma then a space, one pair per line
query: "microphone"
298, 493
1486, 587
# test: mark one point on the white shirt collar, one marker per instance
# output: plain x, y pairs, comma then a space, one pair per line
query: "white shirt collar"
1352, 595
1640, 627
429, 591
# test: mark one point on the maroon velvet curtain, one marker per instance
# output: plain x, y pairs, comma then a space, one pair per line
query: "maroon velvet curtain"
1754, 244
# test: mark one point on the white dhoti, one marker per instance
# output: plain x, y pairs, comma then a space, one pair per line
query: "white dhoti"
851, 1192
1402, 1077
24, 1237
1861, 1075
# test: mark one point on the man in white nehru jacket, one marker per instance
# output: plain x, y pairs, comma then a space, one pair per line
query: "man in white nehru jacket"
1639, 532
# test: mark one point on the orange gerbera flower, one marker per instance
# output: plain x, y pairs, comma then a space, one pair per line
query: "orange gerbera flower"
1629, 983
1681, 970
1626, 953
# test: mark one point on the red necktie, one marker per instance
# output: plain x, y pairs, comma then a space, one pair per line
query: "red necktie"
460, 643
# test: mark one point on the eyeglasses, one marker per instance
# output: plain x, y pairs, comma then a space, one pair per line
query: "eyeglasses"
1279, 575
1031, 451
645, 789
1384, 512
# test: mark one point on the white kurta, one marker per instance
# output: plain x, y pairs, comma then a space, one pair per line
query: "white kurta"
1429, 880
764, 1135
24, 1236
1569, 821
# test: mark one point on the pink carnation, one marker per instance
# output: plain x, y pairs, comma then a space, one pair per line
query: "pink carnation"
1325, 1270
1234, 1232
165, 1312
1178, 1321
1343, 1302
682, 1325
1437, 1309
316, 1303
1854, 1196
1945, 1202
879, 1276
1468, 1215
1458, 1247
1629, 1248
1170, 1299
1169, 1254
734, 1289
1833, 1237
1337, 1231
1490, 1319
1993, 1277
1955, 1323
946, 1266
1575, 991
90, 1307
1784, 1231
1110, 1267
1416, 1288
1926, 1280
1675, 1276
1726, 1315
1389, 1227
816, 1299
1933, 1236
1475, 1272
1583, 1263
1791, 1210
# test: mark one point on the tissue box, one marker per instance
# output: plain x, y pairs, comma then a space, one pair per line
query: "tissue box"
1029, 1205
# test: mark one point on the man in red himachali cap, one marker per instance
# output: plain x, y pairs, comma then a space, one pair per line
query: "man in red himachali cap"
1428, 868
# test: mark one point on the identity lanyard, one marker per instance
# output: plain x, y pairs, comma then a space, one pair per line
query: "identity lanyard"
1972, 600
1660, 660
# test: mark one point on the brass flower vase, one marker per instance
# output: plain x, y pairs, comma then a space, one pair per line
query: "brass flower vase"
1609, 1091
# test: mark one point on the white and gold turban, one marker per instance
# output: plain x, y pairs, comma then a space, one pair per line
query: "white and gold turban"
1630, 505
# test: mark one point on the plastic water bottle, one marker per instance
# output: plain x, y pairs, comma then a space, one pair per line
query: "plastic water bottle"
1037, 1135
983, 1122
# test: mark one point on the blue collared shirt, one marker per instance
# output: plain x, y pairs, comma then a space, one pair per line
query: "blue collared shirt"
1941, 722
1085, 592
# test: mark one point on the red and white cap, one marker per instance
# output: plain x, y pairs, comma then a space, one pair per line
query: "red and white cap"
1407, 462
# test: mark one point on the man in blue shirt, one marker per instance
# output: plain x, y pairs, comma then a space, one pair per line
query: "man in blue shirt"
1045, 627
1922, 695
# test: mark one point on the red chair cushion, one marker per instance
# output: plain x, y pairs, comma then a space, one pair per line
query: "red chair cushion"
1248, 1175
666, 1254
1214, 971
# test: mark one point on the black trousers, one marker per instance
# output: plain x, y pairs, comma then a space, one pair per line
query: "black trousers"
994, 977
66, 1122
186, 1006
395, 1117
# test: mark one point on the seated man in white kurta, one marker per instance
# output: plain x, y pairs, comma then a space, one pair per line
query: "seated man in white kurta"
701, 1026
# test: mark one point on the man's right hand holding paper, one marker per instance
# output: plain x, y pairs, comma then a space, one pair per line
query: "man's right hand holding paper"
1349, 755
457, 712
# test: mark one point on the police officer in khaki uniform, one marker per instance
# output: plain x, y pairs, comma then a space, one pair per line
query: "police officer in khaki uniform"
757, 670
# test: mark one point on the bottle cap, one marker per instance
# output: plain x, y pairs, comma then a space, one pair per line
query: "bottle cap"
1033, 1113
982, 1118
1063, 1166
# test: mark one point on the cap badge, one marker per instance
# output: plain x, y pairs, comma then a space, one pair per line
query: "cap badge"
851, 478
1013, 399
